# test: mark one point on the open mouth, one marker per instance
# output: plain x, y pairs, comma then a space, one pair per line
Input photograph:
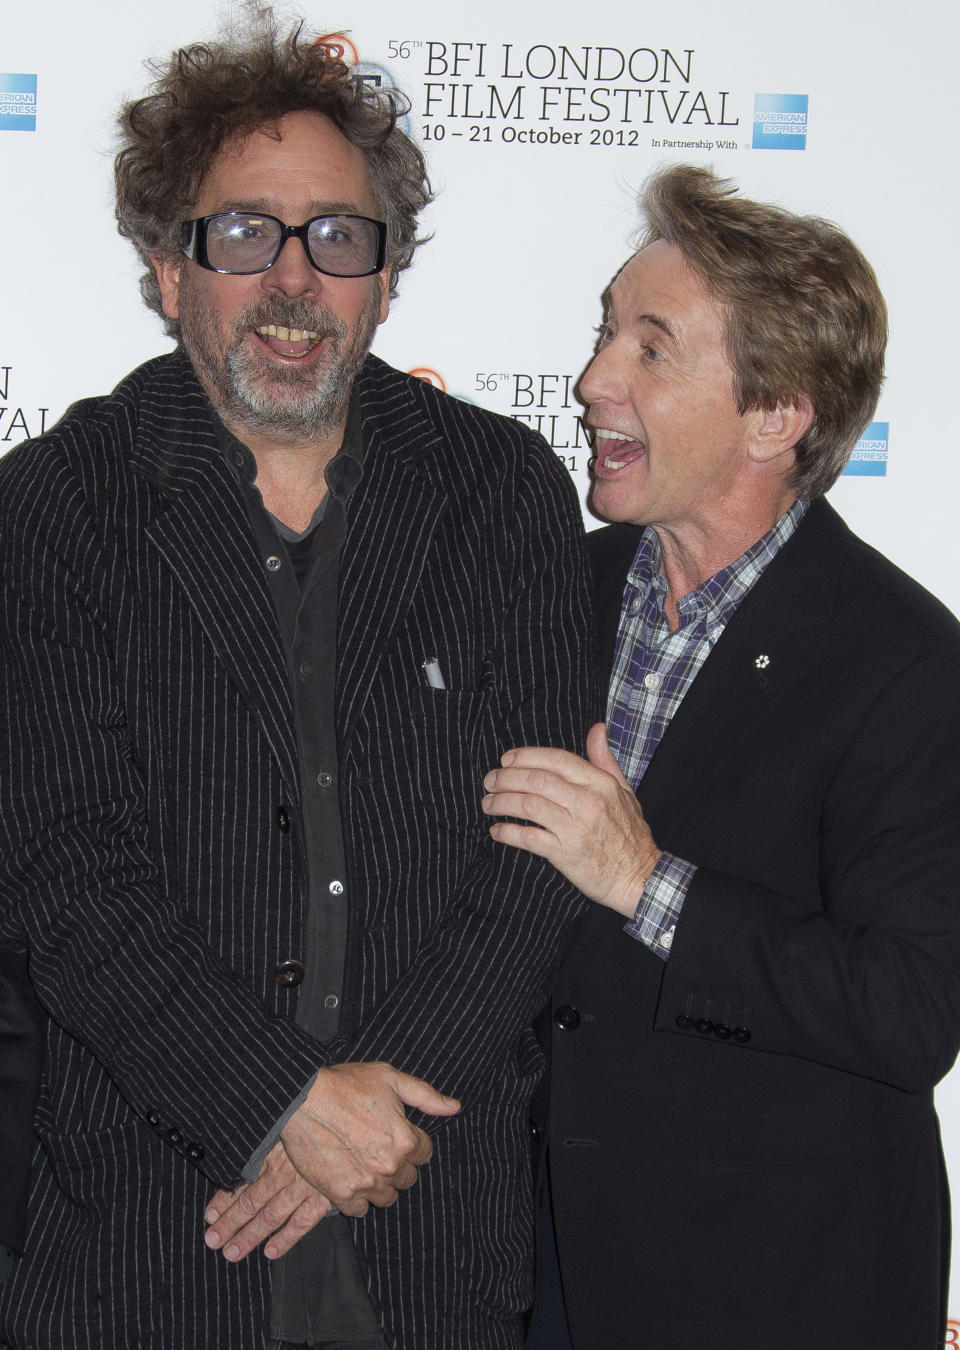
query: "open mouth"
615, 451
290, 342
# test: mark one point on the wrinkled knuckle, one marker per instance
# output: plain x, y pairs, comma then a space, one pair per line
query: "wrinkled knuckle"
271, 1216
247, 1203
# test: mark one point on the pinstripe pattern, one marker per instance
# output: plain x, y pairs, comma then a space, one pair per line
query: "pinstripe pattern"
147, 726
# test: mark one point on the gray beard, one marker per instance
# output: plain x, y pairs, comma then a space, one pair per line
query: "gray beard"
301, 405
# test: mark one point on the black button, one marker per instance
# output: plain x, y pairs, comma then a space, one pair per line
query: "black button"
283, 819
741, 1034
703, 1025
174, 1137
684, 1022
288, 974
154, 1120
534, 1131
567, 1018
324, 778
722, 1031
195, 1153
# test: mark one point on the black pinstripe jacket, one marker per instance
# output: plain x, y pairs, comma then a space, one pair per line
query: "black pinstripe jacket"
148, 746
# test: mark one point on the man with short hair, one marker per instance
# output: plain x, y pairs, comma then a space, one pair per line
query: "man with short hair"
266, 610
743, 1145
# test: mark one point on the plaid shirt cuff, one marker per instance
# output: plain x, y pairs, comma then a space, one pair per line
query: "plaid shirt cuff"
660, 904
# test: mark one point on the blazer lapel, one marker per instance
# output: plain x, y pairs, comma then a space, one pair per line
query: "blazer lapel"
203, 534
392, 521
764, 655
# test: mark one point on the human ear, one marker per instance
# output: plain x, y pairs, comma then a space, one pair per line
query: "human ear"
779, 429
168, 278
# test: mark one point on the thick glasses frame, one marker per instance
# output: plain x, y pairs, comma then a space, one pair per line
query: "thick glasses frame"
193, 242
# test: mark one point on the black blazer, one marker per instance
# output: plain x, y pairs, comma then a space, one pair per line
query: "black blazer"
744, 1148
151, 862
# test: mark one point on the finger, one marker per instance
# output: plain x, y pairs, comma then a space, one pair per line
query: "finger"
301, 1221
561, 762
558, 818
219, 1203
405, 1177
383, 1197
565, 783
353, 1206
245, 1204
421, 1150
600, 754
530, 838
415, 1092
273, 1215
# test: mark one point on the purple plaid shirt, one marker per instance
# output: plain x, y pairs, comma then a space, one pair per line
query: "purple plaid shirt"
652, 670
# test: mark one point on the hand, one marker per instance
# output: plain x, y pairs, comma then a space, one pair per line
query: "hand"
351, 1138
279, 1205
586, 820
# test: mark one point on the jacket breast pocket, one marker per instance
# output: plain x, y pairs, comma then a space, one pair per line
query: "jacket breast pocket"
452, 745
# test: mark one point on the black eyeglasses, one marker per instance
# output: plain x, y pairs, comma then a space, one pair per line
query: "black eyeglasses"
245, 242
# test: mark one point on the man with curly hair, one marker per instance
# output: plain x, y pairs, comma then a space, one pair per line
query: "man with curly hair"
267, 608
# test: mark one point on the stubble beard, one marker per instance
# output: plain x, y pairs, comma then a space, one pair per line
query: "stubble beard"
298, 403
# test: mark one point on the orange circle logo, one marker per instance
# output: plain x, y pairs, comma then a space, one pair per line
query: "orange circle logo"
339, 46
953, 1334
429, 377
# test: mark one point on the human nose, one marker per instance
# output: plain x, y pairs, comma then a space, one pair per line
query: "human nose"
600, 379
292, 273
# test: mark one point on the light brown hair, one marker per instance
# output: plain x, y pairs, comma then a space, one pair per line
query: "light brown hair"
803, 311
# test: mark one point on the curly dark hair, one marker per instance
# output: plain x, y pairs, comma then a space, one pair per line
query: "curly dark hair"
802, 308
210, 93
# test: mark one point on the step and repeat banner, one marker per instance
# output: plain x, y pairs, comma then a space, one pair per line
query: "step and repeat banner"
539, 124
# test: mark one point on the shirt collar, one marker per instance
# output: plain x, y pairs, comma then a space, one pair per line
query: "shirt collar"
343, 472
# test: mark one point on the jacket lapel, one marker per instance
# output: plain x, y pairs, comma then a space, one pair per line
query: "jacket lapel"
202, 532
392, 521
765, 655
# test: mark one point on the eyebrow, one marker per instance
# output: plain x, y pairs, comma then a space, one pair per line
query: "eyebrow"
658, 321
268, 208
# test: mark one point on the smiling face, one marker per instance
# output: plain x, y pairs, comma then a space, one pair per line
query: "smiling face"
277, 352
671, 448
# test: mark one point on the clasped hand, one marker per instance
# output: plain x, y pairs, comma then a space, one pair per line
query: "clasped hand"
349, 1146
585, 818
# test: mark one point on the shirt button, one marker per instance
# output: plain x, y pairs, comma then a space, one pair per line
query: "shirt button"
283, 819
324, 779
335, 888
289, 974
331, 1001
305, 669
567, 1018
651, 681
273, 563
634, 606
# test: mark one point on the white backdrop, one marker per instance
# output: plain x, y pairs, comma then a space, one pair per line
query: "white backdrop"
539, 124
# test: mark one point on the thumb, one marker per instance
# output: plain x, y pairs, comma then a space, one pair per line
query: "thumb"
601, 756
415, 1092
